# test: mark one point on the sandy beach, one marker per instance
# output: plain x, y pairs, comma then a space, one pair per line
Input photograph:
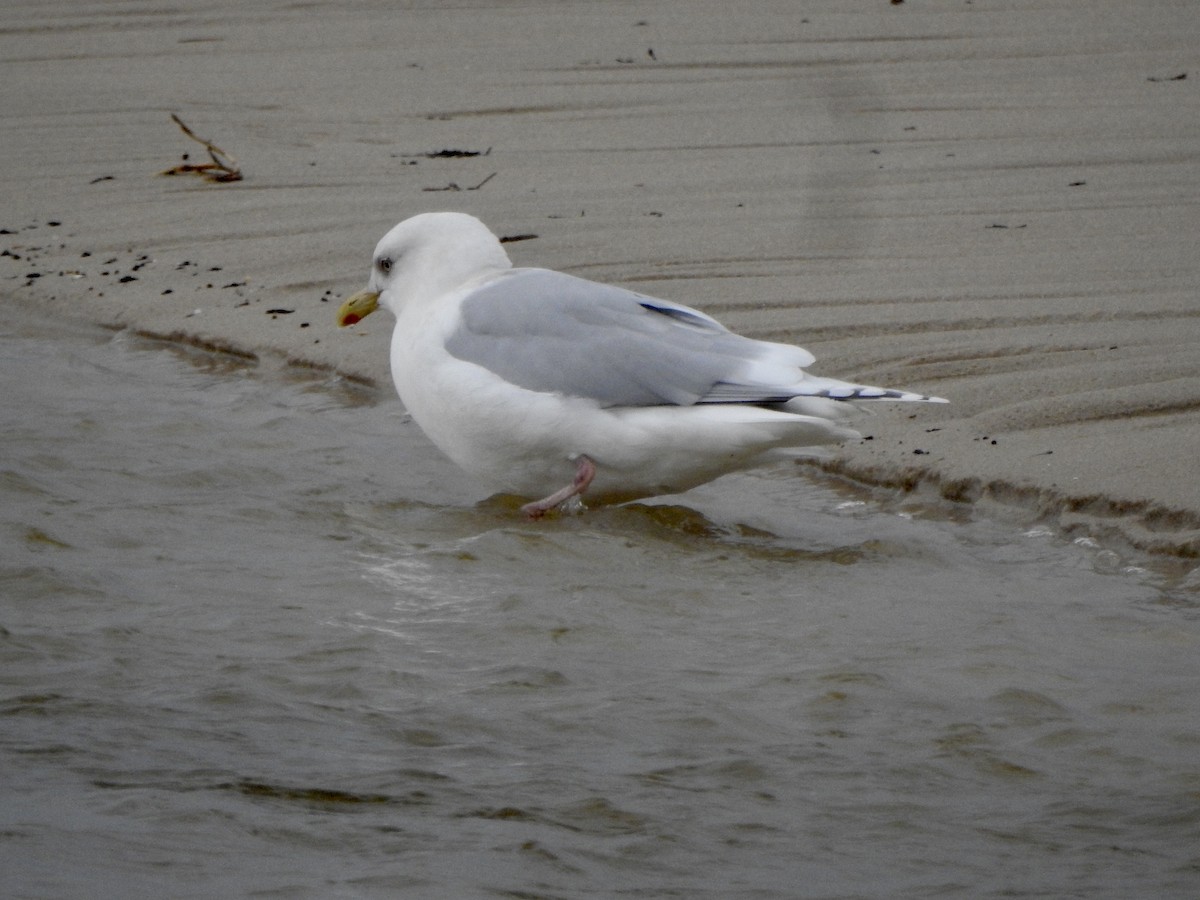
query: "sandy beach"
997, 205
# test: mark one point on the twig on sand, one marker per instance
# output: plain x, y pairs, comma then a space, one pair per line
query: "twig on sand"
453, 186
223, 167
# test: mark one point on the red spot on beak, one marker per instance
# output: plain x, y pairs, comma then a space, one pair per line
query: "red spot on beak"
351, 319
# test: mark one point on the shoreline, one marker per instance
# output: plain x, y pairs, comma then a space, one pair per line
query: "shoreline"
1139, 527
991, 206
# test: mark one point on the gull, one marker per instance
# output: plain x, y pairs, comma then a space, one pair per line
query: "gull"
550, 386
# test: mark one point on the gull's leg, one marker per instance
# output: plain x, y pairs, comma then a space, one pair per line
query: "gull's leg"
585, 471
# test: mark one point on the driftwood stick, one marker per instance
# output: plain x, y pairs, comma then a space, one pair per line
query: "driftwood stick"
223, 167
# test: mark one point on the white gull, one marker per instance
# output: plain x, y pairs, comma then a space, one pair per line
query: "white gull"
549, 386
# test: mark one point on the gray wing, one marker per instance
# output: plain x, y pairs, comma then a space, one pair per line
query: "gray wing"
547, 331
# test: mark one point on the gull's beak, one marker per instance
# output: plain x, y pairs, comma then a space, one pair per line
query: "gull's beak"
356, 307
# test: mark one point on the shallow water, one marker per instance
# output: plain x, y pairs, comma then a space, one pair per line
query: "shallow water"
258, 638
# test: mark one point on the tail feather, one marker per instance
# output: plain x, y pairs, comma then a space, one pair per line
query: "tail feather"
842, 390
810, 386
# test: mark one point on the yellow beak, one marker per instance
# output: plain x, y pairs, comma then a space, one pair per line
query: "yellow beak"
356, 307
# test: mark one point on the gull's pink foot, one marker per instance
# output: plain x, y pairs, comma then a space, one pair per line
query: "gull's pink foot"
585, 471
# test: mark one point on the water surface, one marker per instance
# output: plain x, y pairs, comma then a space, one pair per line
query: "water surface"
258, 638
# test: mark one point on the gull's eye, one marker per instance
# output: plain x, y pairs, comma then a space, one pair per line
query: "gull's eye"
385, 264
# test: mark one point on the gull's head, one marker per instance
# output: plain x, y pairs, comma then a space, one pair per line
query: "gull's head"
423, 258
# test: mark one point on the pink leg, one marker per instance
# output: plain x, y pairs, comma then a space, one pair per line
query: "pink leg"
585, 471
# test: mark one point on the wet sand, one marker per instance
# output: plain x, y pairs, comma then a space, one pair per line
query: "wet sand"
996, 206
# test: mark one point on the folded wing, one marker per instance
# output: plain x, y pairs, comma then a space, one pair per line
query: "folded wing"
550, 332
